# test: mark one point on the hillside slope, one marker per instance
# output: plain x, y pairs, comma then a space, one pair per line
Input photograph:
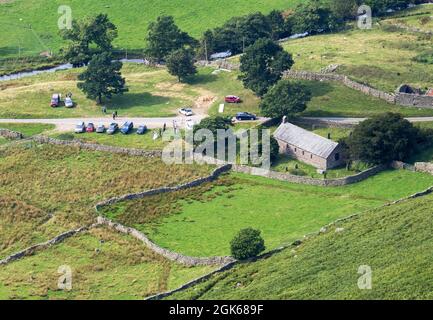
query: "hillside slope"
396, 242
131, 17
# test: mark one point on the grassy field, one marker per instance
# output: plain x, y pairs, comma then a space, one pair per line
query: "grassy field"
202, 221
131, 140
28, 129
383, 59
131, 18
420, 17
396, 242
152, 93
105, 265
45, 189
335, 100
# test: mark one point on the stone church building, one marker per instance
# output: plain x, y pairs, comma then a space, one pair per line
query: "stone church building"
309, 147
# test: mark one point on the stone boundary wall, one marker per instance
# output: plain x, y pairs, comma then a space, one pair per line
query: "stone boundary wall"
98, 147
402, 165
307, 180
345, 80
294, 244
170, 255
12, 135
30, 250
220, 64
414, 100
131, 196
173, 256
426, 167
325, 123
402, 99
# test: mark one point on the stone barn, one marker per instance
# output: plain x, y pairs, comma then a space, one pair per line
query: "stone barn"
309, 147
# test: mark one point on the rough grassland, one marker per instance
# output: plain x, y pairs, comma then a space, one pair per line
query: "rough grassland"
131, 17
154, 93
202, 222
396, 242
420, 18
105, 265
27, 129
60, 185
380, 58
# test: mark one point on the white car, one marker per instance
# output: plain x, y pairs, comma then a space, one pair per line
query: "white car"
80, 127
186, 112
69, 103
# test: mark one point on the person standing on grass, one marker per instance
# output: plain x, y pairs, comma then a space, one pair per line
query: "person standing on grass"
165, 127
104, 110
114, 115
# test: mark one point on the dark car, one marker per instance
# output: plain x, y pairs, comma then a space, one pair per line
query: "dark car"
141, 129
245, 116
90, 127
127, 127
112, 129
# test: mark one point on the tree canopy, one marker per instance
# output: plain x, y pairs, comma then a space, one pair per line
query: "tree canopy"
88, 36
248, 243
102, 78
383, 138
180, 63
263, 65
164, 37
286, 98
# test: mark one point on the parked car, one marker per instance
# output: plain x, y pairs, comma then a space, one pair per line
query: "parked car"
100, 128
233, 99
90, 127
55, 100
245, 116
127, 127
186, 112
80, 127
69, 103
112, 129
142, 129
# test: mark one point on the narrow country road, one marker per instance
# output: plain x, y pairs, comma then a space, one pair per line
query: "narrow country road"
342, 120
68, 124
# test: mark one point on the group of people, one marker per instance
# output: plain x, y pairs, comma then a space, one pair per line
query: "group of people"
114, 114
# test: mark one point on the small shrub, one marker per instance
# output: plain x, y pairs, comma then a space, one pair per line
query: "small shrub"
297, 172
246, 244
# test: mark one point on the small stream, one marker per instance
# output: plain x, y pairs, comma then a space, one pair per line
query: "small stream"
61, 67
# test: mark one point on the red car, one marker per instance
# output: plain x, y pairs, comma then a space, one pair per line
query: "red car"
90, 128
233, 99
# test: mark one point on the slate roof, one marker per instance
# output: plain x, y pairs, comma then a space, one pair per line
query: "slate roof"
305, 140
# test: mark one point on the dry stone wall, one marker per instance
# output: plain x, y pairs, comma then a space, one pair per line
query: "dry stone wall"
98, 147
315, 76
308, 180
131, 196
171, 255
9, 134
44, 245
403, 99
426, 167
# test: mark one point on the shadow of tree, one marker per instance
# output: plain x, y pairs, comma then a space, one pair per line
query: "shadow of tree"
130, 100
